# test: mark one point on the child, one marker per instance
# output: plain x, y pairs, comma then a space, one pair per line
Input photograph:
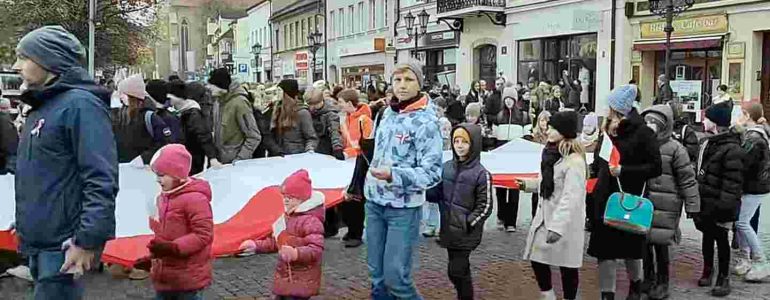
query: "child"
184, 228
720, 179
431, 209
465, 205
668, 193
540, 131
556, 236
298, 272
589, 136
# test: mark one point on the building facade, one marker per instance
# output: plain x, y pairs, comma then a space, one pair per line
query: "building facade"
292, 22
259, 42
360, 42
714, 42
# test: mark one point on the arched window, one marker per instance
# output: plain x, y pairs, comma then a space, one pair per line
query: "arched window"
184, 40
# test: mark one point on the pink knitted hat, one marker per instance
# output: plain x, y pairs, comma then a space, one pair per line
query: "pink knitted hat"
172, 160
298, 185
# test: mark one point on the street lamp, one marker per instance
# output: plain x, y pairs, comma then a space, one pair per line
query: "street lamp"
314, 41
412, 31
668, 9
256, 50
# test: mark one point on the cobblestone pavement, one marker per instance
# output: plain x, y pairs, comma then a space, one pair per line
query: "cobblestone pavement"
498, 270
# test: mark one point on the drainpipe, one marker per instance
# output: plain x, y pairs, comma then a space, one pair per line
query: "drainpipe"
326, 45
272, 44
397, 10
612, 43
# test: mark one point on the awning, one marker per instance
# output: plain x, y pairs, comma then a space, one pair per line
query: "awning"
362, 59
705, 42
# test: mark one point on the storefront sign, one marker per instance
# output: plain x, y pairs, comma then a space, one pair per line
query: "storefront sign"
586, 20
714, 24
736, 50
300, 60
243, 68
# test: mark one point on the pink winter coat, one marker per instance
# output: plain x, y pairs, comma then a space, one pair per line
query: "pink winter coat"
305, 231
184, 217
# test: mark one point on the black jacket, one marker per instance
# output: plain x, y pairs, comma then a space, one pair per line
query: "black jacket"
466, 200
268, 147
197, 137
572, 94
686, 134
326, 122
720, 177
757, 174
492, 106
133, 138
9, 141
455, 111
640, 161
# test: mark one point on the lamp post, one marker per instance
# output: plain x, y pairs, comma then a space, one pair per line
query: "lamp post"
669, 9
256, 50
412, 31
314, 41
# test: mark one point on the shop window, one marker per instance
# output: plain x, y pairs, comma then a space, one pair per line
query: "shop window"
734, 75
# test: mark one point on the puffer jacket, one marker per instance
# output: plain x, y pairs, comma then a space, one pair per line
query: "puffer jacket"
185, 218
305, 232
236, 134
67, 166
466, 198
757, 174
197, 137
358, 125
326, 122
9, 142
301, 137
720, 177
677, 185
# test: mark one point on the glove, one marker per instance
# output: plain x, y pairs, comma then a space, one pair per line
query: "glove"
144, 263
161, 248
338, 154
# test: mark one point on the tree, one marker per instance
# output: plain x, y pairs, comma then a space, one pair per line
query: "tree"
122, 26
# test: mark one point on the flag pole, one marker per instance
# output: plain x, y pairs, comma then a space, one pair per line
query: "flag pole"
91, 38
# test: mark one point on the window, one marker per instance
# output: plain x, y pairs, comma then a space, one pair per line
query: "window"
304, 33
352, 22
277, 40
342, 22
361, 17
297, 40
285, 37
385, 12
332, 34
185, 43
372, 14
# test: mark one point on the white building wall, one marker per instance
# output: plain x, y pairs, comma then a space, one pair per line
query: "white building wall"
260, 32
478, 32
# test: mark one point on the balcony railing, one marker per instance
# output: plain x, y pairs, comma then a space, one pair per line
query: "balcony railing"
444, 6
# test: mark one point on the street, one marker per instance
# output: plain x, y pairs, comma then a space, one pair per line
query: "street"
498, 270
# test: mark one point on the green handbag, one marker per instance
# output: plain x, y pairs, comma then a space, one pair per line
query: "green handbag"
629, 213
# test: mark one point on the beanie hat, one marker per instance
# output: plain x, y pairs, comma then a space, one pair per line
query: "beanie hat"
591, 121
5, 104
461, 133
53, 48
220, 78
510, 92
566, 123
720, 114
622, 98
473, 109
415, 67
290, 87
172, 160
755, 111
158, 90
177, 88
656, 118
298, 185
133, 86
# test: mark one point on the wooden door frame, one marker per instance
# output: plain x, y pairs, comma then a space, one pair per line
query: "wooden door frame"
764, 94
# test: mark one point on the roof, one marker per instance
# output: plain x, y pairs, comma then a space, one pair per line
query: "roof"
295, 8
259, 2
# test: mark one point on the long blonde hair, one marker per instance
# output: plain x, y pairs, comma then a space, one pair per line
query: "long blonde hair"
569, 146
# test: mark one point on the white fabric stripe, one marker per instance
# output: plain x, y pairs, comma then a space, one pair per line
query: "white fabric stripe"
489, 200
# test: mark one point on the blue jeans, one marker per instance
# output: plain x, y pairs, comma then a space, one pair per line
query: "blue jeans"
190, 295
49, 282
748, 241
391, 237
432, 216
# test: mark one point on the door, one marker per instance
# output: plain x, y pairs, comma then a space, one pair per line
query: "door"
765, 93
488, 65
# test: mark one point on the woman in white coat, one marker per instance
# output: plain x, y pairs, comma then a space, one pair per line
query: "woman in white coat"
556, 236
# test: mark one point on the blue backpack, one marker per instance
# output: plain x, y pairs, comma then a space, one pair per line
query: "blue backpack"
172, 122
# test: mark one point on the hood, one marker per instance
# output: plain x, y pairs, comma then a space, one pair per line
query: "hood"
328, 107
193, 185
313, 206
74, 78
235, 90
187, 105
727, 137
668, 114
476, 143
362, 110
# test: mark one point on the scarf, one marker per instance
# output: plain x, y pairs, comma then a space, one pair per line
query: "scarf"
550, 156
397, 106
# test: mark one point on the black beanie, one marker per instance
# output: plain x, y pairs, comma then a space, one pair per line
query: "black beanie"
177, 88
158, 90
720, 113
566, 123
289, 87
220, 78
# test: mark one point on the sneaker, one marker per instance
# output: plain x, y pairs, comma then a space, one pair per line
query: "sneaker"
548, 295
742, 267
353, 243
429, 233
659, 292
137, 274
510, 228
759, 271
20, 272
500, 225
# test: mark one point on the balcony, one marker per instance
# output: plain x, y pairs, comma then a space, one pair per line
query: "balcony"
458, 9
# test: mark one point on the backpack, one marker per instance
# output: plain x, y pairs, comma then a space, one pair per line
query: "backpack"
173, 123
764, 173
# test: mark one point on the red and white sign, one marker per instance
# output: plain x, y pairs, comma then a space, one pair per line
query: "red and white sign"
300, 60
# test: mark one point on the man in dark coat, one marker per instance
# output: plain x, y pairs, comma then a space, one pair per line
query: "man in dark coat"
67, 173
9, 139
197, 137
494, 103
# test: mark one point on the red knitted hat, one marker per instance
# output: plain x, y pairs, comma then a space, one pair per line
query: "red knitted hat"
172, 160
298, 185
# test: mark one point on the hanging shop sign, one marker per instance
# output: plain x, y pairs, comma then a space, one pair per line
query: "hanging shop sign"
687, 26
300, 60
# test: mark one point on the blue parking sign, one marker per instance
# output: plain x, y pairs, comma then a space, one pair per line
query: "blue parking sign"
243, 68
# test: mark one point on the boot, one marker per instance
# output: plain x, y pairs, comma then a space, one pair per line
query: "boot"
648, 284
548, 295
661, 288
722, 288
608, 296
635, 291
706, 276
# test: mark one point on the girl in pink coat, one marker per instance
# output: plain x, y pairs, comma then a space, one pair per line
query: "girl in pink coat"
300, 246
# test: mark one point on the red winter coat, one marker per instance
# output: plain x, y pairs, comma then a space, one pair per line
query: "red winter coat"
185, 218
305, 232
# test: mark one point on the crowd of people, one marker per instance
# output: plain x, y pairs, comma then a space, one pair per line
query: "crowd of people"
71, 141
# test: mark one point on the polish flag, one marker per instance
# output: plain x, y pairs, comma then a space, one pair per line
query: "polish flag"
609, 153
